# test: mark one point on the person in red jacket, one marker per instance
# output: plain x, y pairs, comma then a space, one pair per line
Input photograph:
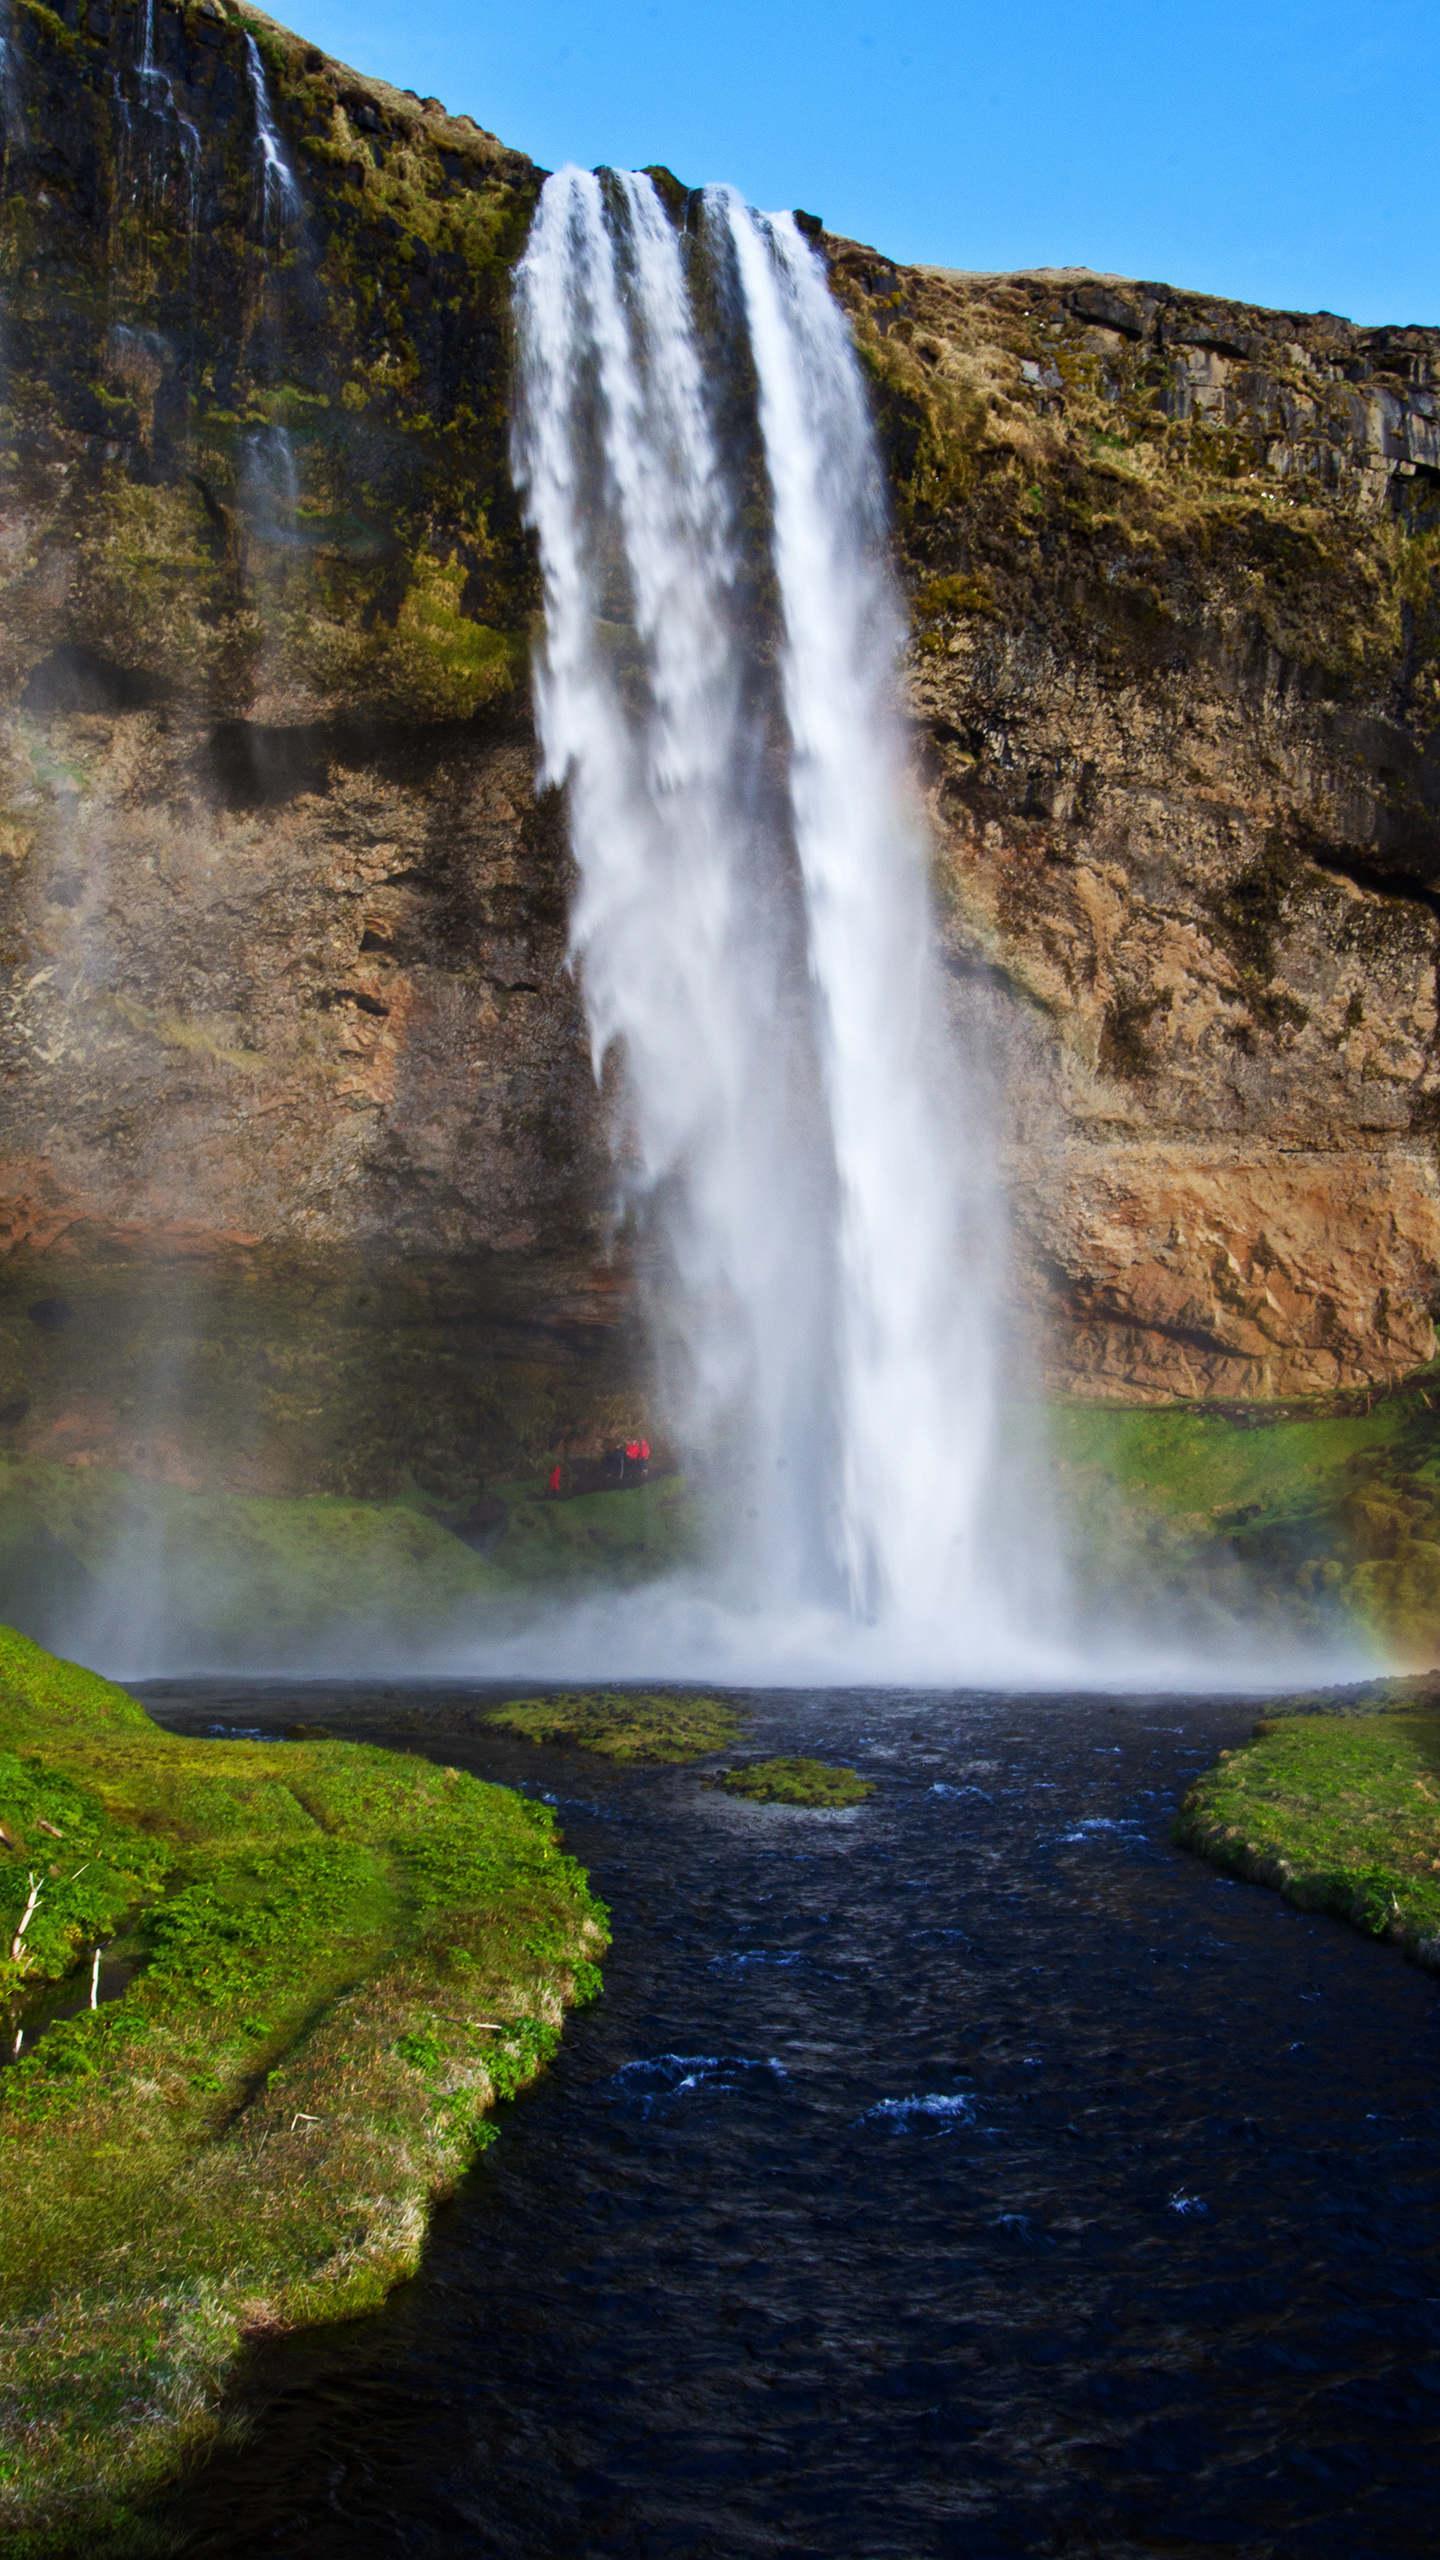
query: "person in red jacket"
552, 1488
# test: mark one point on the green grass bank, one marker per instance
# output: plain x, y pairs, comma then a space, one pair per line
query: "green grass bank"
1339, 1811
269, 1581
344, 1956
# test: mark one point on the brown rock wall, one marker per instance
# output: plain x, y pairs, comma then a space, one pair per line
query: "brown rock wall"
338, 1015
1176, 679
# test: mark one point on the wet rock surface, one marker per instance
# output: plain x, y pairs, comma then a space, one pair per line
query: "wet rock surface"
1175, 675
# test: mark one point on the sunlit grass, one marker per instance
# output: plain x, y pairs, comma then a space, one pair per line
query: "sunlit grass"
345, 1956
1341, 1812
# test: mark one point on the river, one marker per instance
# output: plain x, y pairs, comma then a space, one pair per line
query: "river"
970, 2173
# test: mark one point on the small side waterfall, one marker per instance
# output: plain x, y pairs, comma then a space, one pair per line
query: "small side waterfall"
158, 142
280, 209
270, 478
13, 136
806, 1149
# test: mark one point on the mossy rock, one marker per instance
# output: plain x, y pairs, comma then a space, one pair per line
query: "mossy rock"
822, 1783
142, 350
622, 1724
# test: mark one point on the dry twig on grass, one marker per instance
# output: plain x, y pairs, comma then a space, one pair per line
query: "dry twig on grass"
17, 1944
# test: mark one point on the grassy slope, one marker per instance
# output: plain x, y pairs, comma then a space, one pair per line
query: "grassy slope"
1191, 1463
266, 1578
258, 1575
1328, 1512
622, 1536
1323, 1512
1341, 1812
346, 1956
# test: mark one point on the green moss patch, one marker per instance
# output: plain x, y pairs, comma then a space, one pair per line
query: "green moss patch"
1340, 1812
253, 1577
625, 1724
345, 1956
627, 1536
449, 666
1191, 1463
1333, 1515
798, 1781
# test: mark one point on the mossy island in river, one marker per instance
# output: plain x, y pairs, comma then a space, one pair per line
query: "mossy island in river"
622, 1724
342, 1957
822, 1784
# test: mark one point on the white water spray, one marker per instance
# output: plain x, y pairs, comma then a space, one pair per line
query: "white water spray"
807, 1152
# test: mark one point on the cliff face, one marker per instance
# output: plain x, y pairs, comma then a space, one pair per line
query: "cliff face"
302, 1167
1177, 656
285, 928
294, 1070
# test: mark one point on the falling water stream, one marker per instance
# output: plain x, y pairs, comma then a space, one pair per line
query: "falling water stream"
279, 187
11, 124
158, 142
270, 480
807, 1149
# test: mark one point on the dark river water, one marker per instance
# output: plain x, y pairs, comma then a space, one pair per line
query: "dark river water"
969, 2174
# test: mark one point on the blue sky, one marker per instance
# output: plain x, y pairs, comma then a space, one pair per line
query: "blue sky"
1282, 152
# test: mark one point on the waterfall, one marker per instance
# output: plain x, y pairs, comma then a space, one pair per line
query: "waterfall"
805, 1148
270, 478
280, 209
154, 135
14, 139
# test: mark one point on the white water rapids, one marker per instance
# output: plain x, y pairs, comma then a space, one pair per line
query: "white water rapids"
805, 1150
